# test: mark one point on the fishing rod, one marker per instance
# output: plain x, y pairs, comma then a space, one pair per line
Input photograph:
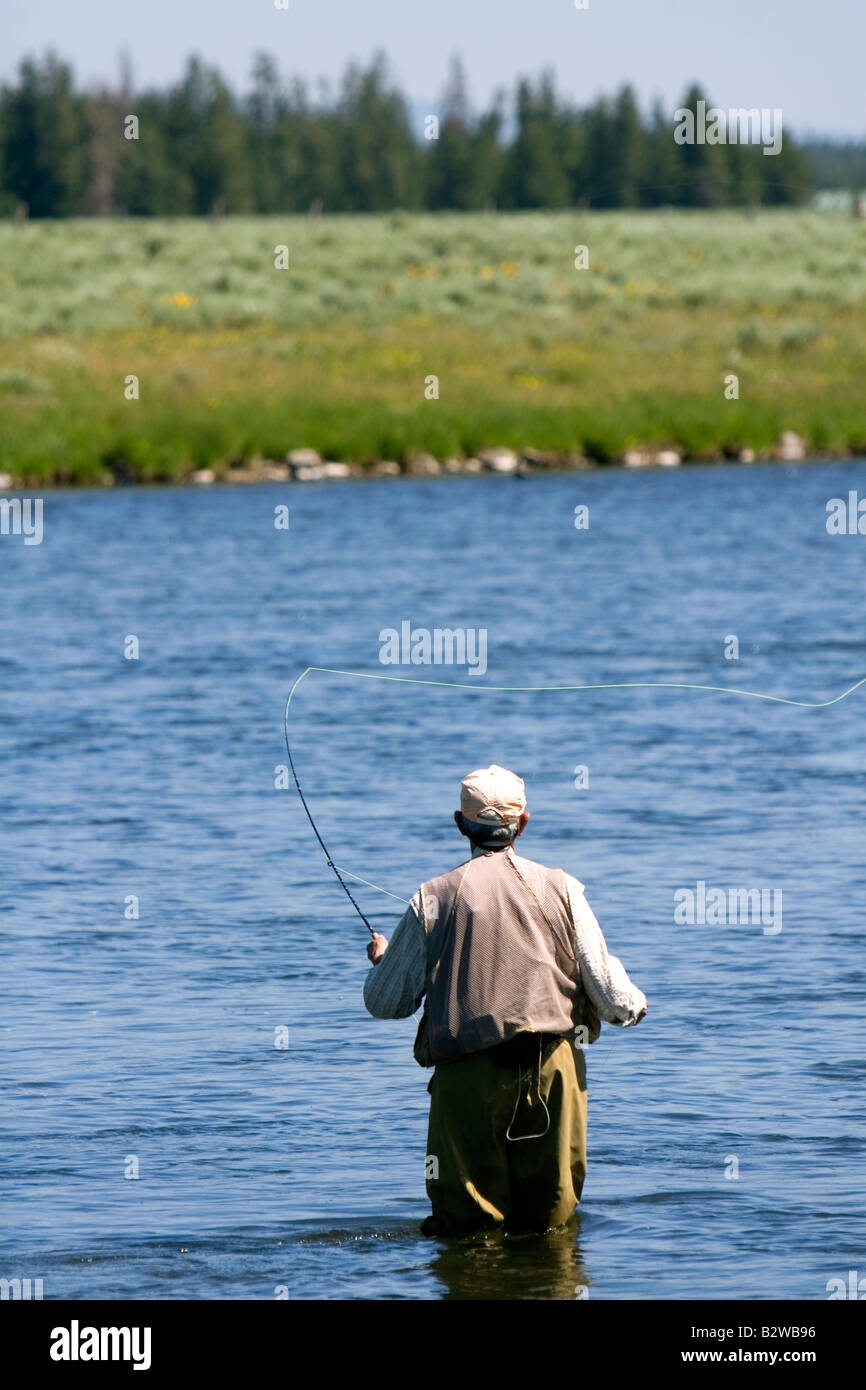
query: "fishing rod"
309, 814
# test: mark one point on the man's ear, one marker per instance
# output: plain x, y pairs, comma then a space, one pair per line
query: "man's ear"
522, 823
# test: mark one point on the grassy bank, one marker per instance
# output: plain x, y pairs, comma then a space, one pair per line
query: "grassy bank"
236, 359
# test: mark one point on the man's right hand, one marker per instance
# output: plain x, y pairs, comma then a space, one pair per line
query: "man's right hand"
377, 947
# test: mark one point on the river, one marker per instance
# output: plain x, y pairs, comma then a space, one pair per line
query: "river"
196, 1104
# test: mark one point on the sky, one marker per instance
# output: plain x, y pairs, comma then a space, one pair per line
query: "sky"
804, 57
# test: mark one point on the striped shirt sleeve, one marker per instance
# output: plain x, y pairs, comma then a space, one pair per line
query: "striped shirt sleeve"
394, 987
604, 976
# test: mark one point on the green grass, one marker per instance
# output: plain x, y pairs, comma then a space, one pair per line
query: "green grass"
236, 359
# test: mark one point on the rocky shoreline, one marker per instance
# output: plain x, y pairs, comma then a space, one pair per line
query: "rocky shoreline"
307, 465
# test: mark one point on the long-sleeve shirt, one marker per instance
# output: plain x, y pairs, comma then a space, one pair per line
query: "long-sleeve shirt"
394, 988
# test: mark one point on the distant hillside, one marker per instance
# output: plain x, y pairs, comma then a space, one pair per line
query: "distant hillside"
837, 164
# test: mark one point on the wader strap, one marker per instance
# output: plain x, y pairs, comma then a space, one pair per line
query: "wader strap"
516, 1138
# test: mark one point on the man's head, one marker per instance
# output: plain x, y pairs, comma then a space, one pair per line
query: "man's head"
492, 807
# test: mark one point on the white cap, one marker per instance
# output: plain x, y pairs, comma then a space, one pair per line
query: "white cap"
492, 794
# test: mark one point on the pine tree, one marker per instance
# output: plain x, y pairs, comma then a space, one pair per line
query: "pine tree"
200, 150
379, 159
43, 136
451, 170
536, 173
662, 180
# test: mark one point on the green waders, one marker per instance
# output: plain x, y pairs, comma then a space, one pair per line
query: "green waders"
476, 1175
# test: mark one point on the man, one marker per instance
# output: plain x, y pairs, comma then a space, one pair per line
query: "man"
515, 974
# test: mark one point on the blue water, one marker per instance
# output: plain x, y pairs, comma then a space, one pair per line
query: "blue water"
300, 1168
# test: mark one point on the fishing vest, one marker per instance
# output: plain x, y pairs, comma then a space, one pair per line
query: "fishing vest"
500, 955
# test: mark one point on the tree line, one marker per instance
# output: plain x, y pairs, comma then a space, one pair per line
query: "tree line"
198, 148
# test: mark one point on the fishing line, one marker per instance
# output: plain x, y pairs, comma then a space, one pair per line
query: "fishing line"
342, 882
513, 689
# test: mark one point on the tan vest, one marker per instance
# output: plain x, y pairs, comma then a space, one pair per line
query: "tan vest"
500, 954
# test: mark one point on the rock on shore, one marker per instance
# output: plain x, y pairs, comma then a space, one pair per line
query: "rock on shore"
306, 465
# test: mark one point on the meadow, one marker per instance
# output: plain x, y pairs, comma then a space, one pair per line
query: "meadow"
238, 360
